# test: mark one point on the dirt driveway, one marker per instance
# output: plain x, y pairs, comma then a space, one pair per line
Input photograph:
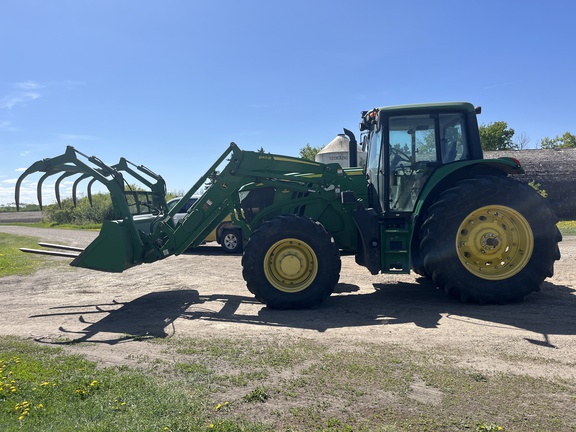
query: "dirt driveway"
203, 294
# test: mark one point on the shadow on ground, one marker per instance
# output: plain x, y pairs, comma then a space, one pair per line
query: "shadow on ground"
549, 312
151, 315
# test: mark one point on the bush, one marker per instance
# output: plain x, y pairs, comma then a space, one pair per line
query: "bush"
83, 213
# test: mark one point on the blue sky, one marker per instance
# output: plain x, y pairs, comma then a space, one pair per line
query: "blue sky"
170, 84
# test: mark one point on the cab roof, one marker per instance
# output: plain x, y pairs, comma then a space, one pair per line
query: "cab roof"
441, 106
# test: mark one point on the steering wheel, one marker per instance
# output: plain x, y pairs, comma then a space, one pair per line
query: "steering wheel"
397, 156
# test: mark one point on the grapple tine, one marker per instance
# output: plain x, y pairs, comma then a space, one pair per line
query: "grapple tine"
17, 192
75, 186
57, 186
89, 191
39, 187
49, 166
36, 167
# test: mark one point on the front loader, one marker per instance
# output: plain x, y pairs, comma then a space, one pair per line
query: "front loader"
426, 201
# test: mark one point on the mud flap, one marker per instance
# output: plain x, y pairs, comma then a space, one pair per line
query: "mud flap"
111, 251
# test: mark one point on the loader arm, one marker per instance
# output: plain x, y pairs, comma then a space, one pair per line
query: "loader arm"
222, 198
145, 231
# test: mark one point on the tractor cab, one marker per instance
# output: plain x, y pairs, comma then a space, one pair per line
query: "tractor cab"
405, 145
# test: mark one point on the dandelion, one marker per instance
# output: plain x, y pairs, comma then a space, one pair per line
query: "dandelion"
81, 392
218, 407
24, 409
94, 383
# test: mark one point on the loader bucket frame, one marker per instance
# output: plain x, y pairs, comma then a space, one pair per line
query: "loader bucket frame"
73, 162
119, 243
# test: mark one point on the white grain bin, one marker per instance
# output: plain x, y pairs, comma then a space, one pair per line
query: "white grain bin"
337, 152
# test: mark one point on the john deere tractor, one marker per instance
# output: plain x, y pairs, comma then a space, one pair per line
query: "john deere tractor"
425, 200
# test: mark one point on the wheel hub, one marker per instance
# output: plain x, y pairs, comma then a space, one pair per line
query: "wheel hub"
230, 241
290, 265
490, 241
494, 242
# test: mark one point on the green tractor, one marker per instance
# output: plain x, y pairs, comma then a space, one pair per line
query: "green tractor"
425, 201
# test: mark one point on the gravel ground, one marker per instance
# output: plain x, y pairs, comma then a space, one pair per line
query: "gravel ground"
202, 294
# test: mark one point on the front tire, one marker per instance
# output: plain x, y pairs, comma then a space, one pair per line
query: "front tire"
490, 239
291, 262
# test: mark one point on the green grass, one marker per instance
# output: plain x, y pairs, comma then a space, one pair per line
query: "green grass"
42, 389
12, 260
46, 224
293, 384
567, 228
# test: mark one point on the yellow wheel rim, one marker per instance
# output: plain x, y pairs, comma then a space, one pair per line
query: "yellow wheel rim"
494, 242
290, 265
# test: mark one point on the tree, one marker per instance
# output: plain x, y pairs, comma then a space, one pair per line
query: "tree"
309, 152
565, 141
496, 136
521, 142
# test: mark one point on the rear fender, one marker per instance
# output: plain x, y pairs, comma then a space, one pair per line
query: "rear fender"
446, 176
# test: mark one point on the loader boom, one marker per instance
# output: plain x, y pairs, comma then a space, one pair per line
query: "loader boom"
222, 198
145, 231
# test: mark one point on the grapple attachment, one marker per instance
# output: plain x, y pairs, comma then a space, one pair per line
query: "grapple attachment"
121, 242
126, 201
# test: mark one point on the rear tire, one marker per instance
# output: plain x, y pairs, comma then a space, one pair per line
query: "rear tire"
418, 265
291, 262
490, 240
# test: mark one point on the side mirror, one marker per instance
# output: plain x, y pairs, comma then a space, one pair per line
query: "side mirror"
364, 142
